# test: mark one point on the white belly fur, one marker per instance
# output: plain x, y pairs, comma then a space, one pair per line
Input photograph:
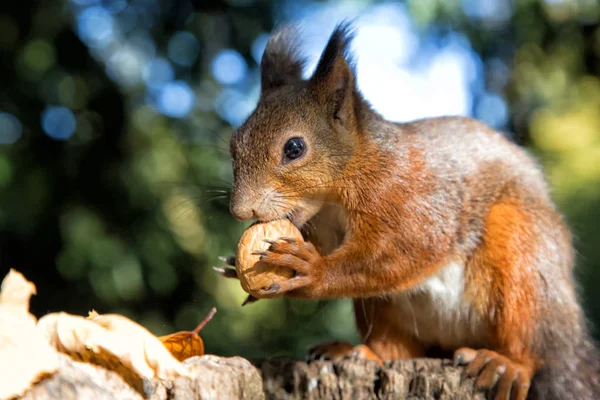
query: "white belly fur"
435, 311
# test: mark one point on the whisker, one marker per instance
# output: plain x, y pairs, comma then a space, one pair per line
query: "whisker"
182, 213
179, 204
222, 140
215, 198
196, 201
214, 146
216, 133
216, 191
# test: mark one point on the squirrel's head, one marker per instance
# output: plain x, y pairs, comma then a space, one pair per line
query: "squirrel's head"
289, 155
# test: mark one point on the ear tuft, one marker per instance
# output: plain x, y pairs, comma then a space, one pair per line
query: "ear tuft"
337, 49
334, 79
282, 61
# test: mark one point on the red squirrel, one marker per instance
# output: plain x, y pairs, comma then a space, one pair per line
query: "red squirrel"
441, 230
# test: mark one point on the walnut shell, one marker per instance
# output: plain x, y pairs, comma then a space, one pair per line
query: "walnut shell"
256, 276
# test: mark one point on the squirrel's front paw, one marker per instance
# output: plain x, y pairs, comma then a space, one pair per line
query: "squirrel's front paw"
301, 257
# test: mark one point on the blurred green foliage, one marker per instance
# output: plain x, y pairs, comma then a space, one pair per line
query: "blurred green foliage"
129, 214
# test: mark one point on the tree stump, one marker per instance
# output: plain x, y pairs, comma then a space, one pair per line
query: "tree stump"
215, 377
406, 379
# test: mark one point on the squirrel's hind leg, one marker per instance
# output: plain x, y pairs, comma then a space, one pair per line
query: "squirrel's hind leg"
381, 331
509, 379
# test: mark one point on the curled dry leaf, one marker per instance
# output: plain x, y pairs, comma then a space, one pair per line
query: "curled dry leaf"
148, 348
186, 344
114, 342
25, 357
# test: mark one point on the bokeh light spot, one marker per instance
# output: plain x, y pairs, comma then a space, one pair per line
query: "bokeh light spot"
71, 262
127, 278
73, 92
389, 21
10, 128
183, 48
492, 110
102, 285
175, 99
560, 10
489, 12
58, 122
126, 65
234, 106
95, 26
229, 67
143, 43
157, 73
38, 56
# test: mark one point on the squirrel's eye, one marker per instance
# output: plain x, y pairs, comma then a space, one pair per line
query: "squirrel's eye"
293, 149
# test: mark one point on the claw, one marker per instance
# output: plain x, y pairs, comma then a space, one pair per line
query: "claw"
271, 242
476, 366
260, 253
274, 288
288, 240
228, 260
490, 374
458, 359
226, 272
249, 300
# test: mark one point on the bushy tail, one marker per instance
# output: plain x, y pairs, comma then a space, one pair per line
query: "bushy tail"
573, 374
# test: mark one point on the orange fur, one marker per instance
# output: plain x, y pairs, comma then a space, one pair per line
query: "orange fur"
502, 285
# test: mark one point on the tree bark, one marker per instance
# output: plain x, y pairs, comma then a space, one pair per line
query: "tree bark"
215, 377
406, 379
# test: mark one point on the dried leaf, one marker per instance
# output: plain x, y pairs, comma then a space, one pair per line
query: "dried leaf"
25, 357
186, 344
114, 342
148, 347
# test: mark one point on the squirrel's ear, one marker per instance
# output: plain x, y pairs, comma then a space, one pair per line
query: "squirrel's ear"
334, 80
281, 62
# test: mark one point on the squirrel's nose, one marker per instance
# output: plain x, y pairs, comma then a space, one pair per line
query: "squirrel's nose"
241, 212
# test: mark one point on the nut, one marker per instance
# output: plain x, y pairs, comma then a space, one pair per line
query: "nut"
256, 276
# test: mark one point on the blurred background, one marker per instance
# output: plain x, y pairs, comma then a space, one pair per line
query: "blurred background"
115, 117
